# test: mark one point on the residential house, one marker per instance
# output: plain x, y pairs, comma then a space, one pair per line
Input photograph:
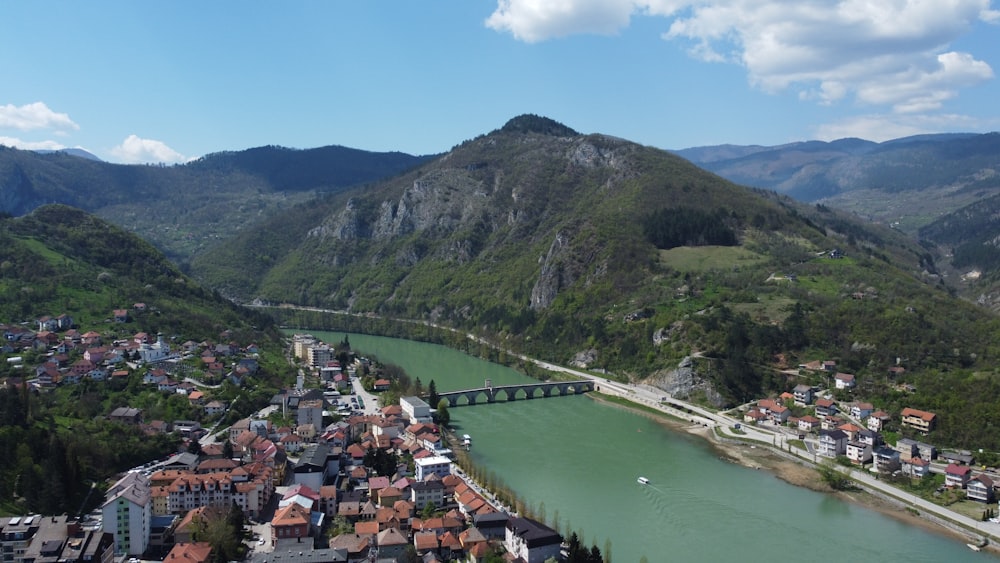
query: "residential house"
859, 452
907, 448
957, 476
803, 395
825, 408
780, 414
808, 423
126, 415
832, 443
878, 420
917, 467
861, 411
844, 381
886, 459
919, 420
531, 541
291, 521
980, 488
391, 544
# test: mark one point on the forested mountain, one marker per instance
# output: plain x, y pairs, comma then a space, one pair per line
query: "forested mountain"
186, 208
816, 170
58, 261
596, 251
942, 189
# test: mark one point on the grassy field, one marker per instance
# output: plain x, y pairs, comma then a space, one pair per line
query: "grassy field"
704, 258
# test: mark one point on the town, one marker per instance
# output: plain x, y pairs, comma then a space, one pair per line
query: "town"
320, 474
325, 472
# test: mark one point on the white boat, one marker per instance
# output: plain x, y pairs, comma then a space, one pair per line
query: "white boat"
642, 481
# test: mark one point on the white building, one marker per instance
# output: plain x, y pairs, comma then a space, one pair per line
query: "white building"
127, 514
415, 409
437, 465
531, 541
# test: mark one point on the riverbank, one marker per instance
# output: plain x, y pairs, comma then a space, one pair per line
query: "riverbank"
795, 472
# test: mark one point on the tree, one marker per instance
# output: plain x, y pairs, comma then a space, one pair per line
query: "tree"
432, 393
443, 416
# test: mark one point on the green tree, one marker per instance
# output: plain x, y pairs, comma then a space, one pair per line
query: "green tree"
432, 393
442, 415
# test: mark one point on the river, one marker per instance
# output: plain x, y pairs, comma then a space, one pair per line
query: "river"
577, 461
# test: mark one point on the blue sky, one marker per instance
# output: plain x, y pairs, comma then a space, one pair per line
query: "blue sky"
172, 81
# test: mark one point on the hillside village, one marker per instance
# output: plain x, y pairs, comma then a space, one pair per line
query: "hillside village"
835, 423
326, 482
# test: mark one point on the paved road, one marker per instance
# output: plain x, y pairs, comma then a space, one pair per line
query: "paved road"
657, 399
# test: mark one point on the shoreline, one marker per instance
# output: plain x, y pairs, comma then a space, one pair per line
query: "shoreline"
799, 474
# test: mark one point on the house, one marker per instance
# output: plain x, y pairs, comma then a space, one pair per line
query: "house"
126, 415
917, 467
907, 448
291, 521
957, 476
198, 552
382, 385
844, 380
803, 394
531, 541
886, 459
919, 420
861, 411
859, 452
780, 414
980, 488
754, 416
391, 544
808, 423
832, 443
878, 420
825, 408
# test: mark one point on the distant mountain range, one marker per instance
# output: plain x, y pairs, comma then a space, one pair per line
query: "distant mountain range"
582, 249
72, 152
817, 170
943, 189
185, 208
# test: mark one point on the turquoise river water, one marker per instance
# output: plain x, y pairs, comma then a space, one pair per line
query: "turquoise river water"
579, 459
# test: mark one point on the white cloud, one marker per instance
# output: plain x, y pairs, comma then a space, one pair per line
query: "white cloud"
135, 150
883, 127
882, 52
30, 145
34, 116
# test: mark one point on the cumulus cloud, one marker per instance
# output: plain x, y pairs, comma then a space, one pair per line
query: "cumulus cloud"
136, 150
34, 116
885, 52
30, 145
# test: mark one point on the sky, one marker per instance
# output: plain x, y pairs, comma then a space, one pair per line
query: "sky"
168, 82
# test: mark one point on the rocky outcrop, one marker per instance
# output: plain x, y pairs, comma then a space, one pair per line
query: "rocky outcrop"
684, 381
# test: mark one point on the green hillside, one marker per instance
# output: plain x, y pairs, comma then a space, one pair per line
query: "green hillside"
593, 250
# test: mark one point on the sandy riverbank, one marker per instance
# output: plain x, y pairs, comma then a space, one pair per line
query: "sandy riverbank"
797, 473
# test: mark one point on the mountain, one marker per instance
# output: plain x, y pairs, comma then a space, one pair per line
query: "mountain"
599, 252
833, 171
186, 208
72, 152
58, 259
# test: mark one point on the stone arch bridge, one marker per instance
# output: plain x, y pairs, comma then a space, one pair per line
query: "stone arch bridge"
513, 392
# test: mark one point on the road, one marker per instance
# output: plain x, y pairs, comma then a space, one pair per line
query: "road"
725, 425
